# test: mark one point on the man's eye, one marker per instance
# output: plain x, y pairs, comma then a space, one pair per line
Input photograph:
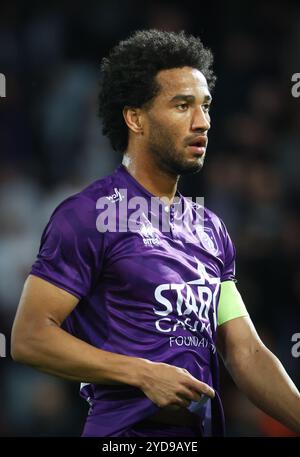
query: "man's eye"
182, 106
206, 106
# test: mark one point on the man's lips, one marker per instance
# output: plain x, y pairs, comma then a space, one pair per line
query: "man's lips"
197, 150
198, 141
198, 145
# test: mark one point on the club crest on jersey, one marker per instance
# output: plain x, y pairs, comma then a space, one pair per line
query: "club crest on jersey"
207, 239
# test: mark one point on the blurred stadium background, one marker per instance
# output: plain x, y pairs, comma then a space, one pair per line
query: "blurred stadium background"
51, 146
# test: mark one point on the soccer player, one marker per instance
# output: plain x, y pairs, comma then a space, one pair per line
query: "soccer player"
132, 298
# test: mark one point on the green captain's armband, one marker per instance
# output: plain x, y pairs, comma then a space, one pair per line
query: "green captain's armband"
231, 304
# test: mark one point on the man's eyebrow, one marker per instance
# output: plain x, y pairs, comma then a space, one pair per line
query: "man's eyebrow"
189, 98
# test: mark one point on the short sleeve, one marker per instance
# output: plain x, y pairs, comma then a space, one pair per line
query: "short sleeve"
71, 249
228, 273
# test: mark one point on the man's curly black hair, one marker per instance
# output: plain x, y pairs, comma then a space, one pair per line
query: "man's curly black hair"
128, 74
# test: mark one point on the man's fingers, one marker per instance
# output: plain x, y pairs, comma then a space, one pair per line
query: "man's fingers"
202, 388
198, 386
183, 402
207, 390
189, 394
197, 397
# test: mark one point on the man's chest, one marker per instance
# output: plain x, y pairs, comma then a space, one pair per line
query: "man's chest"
176, 282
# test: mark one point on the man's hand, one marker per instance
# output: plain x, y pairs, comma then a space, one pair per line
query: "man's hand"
169, 386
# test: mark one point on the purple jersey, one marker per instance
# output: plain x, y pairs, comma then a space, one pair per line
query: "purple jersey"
149, 293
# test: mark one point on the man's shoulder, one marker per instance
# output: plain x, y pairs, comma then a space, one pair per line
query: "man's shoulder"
87, 198
82, 205
212, 218
212, 222
102, 187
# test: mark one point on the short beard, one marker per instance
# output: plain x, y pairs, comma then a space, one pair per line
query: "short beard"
163, 151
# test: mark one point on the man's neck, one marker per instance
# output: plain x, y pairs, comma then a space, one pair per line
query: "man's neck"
152, 178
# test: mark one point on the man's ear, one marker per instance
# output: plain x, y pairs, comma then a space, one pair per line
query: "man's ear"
134, 119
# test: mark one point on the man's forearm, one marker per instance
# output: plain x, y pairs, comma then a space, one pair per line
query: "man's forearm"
261, 376
54, 351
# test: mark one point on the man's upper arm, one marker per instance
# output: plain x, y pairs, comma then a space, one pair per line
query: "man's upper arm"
41, 304
66, 269
237, 338
236, 333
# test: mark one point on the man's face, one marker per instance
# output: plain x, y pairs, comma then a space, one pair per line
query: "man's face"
178, 120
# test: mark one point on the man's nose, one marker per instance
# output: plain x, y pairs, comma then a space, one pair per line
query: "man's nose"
201, 120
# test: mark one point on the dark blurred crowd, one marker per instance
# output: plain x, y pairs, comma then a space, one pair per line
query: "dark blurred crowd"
52, 146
